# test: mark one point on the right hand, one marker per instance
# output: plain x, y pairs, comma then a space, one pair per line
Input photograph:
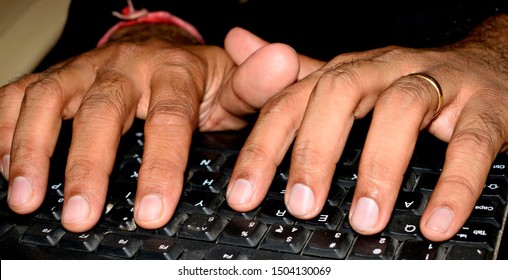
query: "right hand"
175, 87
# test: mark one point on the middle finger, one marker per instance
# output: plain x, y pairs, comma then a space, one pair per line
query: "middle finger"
105, 113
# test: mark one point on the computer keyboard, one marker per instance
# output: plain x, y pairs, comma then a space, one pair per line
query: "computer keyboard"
205, 227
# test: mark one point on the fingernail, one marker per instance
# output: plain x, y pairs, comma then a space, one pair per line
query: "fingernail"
240, 192
76, 210
365, 215
440, 220
150, 208
21, 191
301, 200
6, 160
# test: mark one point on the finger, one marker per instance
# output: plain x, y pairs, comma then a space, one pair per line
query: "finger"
11, 97
171, 120
400, 113
240, 44
479, 134
271, 137
106, 112
267, 144
338, 98
264, 74
45, 103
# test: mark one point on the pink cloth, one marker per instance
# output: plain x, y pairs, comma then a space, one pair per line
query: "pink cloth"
131, 16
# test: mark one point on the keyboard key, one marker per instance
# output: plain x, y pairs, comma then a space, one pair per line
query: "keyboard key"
129, 172
329, 243
5, 227
335, 195
476, 233
243, 232
229, 164
274, 211
405, 226
208, 181
43, 234
202, 227
224, 254
467, 253
427, 181
277, 189
329, 218
500, 165
410, 202
373, 247
56, 188
200, 202
123, 191
119, 246
226, 211
348, 199
172, 227
206, 160
497, 187
346, 176
418, 250
121, 216
285, 238
488, 211
159, 249
85, 242
51, 208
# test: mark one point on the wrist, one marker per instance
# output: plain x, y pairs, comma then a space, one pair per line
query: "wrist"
146, 31
490, 36
488, 43
131, 18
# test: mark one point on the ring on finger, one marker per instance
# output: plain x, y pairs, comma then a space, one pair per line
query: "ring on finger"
436, 85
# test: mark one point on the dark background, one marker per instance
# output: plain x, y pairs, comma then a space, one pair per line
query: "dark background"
321, 29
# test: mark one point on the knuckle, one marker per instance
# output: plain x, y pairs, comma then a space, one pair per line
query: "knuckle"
160, 171
23, 152
408, 94
179, 60
481, 143
177, 111
284, 104
106, 102
380, 173
121, 50
253, 153
309, 157
462, 185
177, 56
47, 89
81, 170
344, 79
13, 91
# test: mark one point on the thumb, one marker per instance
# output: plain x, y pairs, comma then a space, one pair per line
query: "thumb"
263, 70
240, 44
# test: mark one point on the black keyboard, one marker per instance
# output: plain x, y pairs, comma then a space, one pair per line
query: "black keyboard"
204, 227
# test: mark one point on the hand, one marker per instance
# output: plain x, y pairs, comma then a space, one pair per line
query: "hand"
175, 87
319, 112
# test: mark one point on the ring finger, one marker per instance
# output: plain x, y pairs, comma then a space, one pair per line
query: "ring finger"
400, 113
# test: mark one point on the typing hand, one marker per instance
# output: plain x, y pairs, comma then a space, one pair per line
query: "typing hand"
319, 111
175, 87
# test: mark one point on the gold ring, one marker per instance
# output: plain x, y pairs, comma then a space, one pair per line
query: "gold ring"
436, 85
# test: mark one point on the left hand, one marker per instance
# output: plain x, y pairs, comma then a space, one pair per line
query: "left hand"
319, 112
